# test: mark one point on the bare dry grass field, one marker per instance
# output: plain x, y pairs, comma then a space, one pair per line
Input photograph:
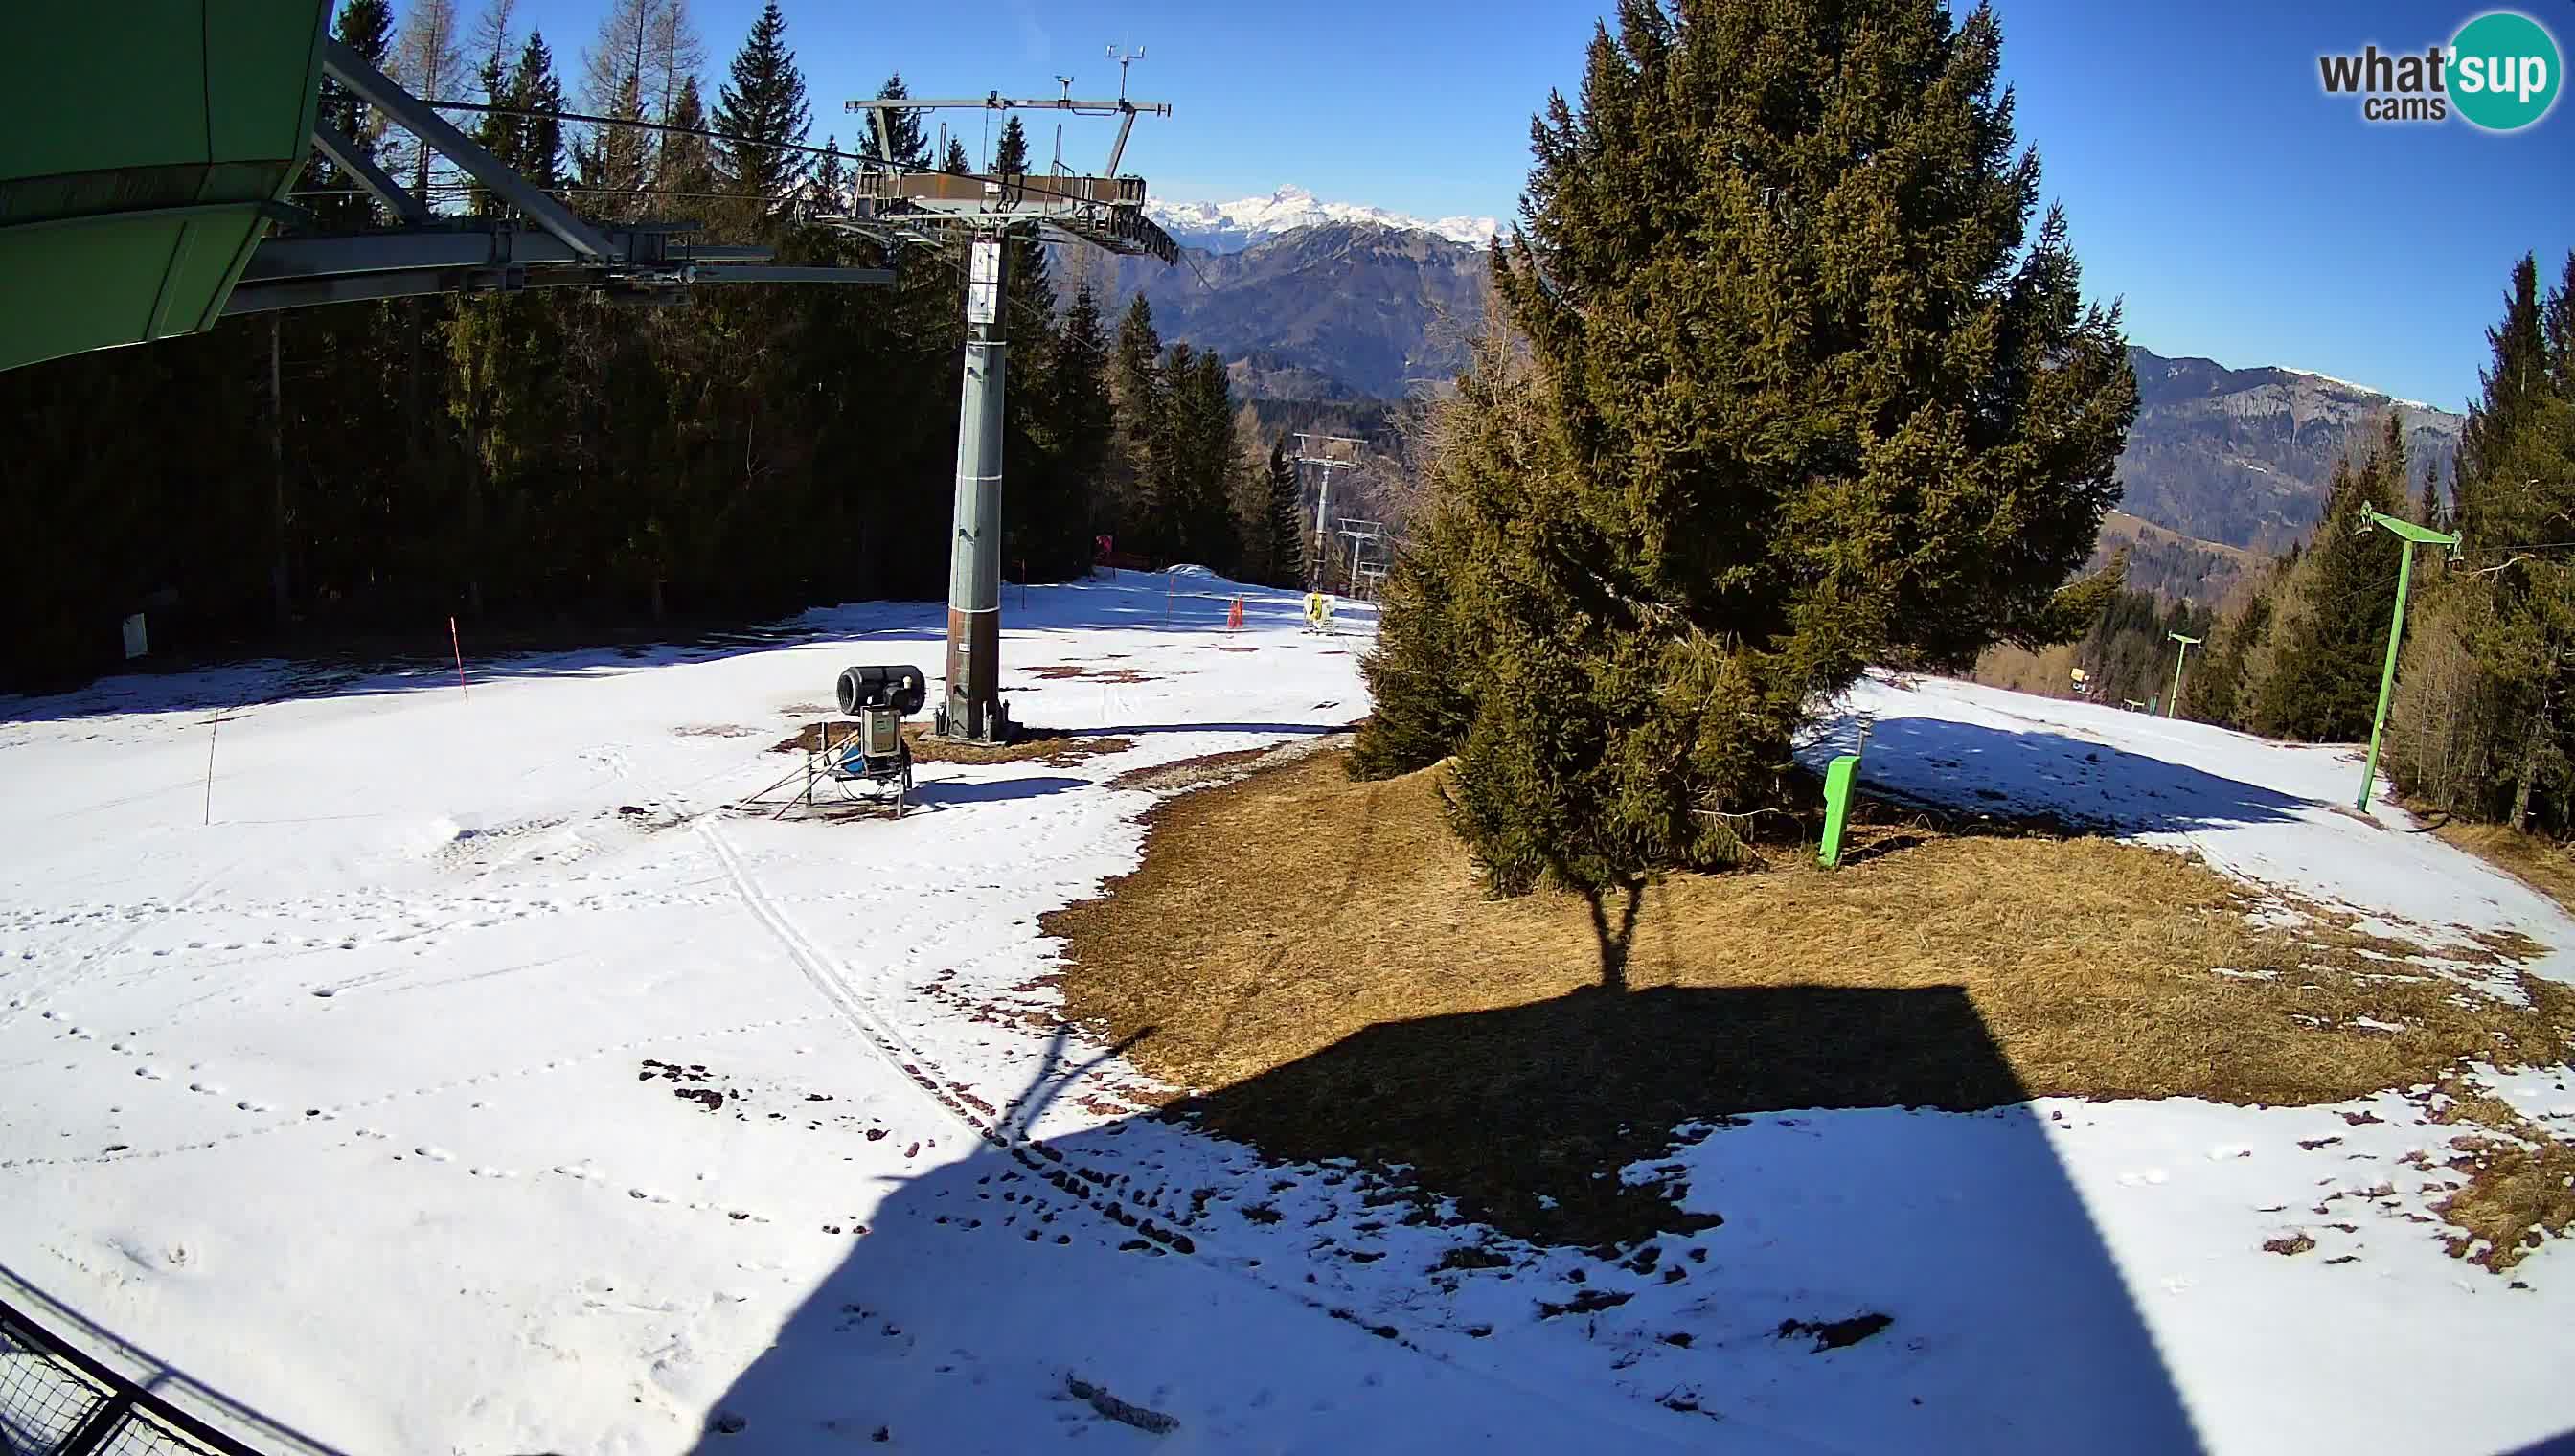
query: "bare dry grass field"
1313, 958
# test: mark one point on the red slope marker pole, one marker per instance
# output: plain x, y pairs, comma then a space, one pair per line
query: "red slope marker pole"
457, 645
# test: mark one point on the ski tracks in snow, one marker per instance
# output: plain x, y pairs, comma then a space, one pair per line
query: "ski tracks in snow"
1090, 1189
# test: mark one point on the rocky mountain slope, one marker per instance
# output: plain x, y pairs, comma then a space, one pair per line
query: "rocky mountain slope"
1314, 302
1339, 311
2242, 456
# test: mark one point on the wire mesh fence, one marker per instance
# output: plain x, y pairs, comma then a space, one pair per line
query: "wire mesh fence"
56, 1401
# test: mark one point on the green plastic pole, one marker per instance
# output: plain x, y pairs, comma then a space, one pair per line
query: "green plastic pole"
1837, 787
2387, 676
2172, 705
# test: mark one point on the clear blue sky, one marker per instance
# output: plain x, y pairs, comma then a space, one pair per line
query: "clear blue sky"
2241, 214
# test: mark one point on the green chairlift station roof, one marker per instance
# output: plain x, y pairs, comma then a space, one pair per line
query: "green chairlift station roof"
149, 146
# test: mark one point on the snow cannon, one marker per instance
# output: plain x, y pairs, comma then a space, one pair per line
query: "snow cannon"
899, 690
879, 699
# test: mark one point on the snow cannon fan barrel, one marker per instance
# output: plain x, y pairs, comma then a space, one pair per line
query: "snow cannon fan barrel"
902, 689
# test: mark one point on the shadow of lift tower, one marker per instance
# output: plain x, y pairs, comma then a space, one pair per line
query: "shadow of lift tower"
894, 204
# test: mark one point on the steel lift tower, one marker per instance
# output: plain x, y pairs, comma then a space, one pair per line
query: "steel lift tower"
893, 205
1327, 453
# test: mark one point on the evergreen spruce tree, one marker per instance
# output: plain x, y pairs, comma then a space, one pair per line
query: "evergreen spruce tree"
1172, 463
1816, 396
832, 177
762, 112
615, 165
1492, 443
497, 134
2218, 695
2516, 492
1081, 432
2321, 685
539, 149
686, 171
2513, 385
911, 148
340, 205
1136, 385
1205, 400
1031, 282
956, 162
1287, 505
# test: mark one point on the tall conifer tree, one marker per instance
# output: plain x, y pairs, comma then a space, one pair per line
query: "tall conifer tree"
762, 112
1817, 396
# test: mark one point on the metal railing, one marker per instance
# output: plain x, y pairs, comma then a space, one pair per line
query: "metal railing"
55, 1400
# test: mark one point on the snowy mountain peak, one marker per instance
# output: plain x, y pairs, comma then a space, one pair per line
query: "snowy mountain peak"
2363, 388
1231, 227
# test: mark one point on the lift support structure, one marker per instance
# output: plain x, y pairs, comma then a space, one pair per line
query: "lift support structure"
892, 204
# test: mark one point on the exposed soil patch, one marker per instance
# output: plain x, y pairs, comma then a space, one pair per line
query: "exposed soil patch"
2295, 1243
1049, 747
1836, 1335
715, 731
1350, 993
1590, 1301
1058, 672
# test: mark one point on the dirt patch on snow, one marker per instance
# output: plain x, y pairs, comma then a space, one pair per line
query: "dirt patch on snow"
1048, 747
1058, 672
1836, 1335
1350, 993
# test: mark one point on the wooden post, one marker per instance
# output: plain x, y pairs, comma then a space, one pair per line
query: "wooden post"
458, 647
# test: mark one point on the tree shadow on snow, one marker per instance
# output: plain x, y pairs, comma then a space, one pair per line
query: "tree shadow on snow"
2080, 785
1807, 1260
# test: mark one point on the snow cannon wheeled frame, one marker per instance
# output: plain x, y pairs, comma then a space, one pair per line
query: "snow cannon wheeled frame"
879, 699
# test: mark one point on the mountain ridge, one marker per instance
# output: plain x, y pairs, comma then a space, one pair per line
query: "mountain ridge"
1361, 310
1232, 227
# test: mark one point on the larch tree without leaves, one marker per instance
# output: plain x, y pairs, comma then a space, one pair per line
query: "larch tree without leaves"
1810, 395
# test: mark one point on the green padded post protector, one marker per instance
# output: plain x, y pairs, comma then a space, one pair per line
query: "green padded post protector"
145, 149
1837, 790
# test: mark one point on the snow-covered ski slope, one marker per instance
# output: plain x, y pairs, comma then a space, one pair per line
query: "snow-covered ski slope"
475, 1083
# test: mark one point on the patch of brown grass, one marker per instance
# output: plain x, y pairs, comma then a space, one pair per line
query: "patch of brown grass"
1033, 745
2537, 862
1315, 956
2519, 1187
